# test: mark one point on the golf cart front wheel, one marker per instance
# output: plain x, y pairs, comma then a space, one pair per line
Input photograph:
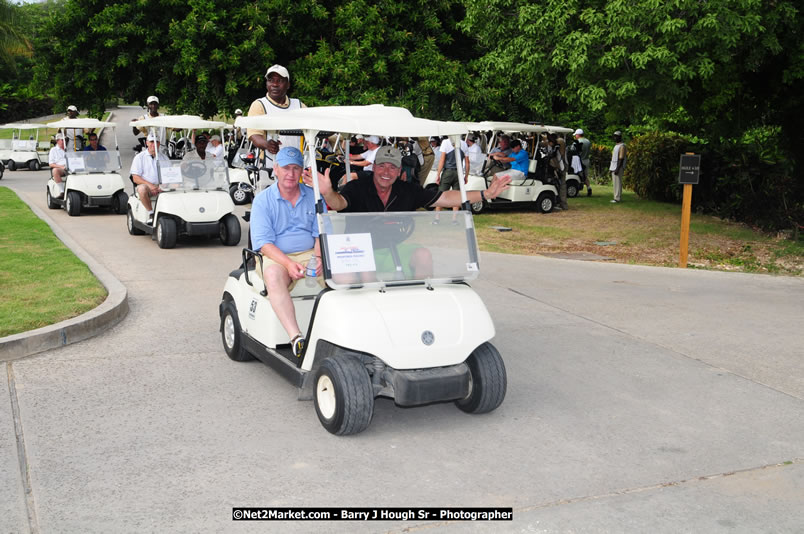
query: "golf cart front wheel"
133, 230
120, 202
230, 230
11, 165
545, 202
489, 380
344, 397
73, 203
34, 165
166, 233
239, 196
231, 334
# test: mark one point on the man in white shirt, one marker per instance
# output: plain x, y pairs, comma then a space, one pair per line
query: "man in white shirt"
145, 174
73, 133
277, 83
366, 159
215, 147
153, 111
57, 160
474, 154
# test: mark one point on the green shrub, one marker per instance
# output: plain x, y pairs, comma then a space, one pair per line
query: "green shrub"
651, 169
599, 160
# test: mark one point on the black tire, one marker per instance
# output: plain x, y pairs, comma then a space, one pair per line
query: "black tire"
231, 334
11, 165
34, 165
51, 204
572, 189
2, 170
489, 380
478, 207
545, 202
239, 196
343, 395
73, 203
166, 232
230, 230
133, 230
120, 202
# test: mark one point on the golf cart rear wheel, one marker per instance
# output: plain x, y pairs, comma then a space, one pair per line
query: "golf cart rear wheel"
230, 230
572, 189
34, 165
52, 204
239, 196
478, 207
73, 203
545, 202
231, 335
343, 396
166, 233
489, 380
11, 165
133, 230
120, 202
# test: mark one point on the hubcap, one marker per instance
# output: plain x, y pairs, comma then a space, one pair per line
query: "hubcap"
477, 206
547, 204
228, 331
159, 233
239, 195
325, 395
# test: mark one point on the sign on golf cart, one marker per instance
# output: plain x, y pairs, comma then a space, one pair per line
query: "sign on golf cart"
689, 169
399, 319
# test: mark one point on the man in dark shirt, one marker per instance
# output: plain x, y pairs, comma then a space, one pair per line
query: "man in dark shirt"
384, 192
93, 145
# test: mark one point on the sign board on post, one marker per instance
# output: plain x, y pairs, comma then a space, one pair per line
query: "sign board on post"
689, 169
688, 172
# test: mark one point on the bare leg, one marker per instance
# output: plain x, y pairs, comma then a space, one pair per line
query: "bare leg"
421, 263
145, 196
277, 281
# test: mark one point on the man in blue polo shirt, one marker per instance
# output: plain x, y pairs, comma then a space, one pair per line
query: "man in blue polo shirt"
284, 230
518, 158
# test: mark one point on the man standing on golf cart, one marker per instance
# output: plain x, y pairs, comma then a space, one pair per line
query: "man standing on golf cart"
145, 175
153, 111
277, 83
284, 229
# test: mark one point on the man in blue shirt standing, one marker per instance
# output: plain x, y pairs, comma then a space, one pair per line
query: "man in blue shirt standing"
284, 229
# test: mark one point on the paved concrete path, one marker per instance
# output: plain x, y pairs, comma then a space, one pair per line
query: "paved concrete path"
639, 400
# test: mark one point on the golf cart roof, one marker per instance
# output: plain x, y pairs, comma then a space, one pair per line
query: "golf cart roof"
22, 125
375, 119
511, 127
81, 123
188, 122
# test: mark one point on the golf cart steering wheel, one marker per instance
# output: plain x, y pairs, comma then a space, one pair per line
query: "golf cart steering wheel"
387, 232
194, 170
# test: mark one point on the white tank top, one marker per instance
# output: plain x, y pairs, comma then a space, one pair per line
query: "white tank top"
286, 140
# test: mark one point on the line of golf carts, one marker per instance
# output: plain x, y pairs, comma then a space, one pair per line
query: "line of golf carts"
529, 191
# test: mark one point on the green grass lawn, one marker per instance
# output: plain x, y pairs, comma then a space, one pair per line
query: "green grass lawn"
639, 231
41, 281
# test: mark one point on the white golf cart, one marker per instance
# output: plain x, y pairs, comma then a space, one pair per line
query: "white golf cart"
93, 178
194, 198
246, 174
21, 151
529, 191
378, 329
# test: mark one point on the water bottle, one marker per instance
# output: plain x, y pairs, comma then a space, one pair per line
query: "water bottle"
309, 279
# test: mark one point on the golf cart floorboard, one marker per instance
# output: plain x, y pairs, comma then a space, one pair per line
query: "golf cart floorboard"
281, 360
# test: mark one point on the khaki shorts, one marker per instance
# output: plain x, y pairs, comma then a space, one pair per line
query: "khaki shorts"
300, 257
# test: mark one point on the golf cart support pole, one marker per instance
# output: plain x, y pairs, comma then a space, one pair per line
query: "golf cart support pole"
459, 161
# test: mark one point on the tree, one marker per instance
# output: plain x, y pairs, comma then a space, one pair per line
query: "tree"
13, 42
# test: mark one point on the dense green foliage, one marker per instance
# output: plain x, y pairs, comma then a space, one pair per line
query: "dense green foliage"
652, 169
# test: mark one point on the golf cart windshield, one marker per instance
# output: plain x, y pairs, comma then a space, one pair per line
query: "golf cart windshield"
398, 248
24, 145
194, 174
93, 161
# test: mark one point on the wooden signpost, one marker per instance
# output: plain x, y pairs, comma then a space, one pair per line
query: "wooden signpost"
689, 170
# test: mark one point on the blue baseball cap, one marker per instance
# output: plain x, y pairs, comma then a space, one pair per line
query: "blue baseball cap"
289, 156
